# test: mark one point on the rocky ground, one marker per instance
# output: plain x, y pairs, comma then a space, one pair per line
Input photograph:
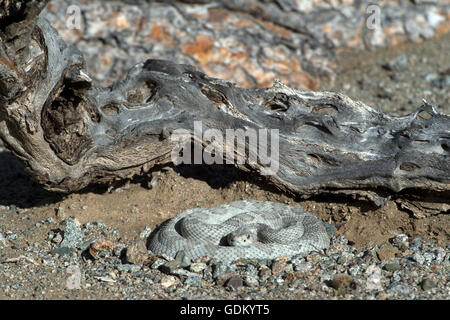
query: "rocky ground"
92, 244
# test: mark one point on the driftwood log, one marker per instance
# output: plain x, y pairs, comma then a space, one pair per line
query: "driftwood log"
69, 133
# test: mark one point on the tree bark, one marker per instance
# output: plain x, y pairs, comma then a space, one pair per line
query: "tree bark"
69, 133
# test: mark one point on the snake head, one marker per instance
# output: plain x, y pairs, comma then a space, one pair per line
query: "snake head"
242, 237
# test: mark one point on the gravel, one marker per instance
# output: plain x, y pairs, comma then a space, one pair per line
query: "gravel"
340, 271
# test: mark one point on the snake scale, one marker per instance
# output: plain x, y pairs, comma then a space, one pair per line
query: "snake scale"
248, 229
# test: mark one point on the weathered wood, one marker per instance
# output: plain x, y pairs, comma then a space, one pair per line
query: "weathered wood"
70, 133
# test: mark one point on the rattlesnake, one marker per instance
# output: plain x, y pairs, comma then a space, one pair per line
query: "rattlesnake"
242, 229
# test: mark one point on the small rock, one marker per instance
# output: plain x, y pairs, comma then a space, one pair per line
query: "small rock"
73, 236
430, 77
194, 280
428, 257
61, 251
145, 233
224, 277
391, 267
416, 243
374, 278
250, 270
289, 267
170, 266
60, 213
235, 282
128, 267
118, 249
291, 277
56, 238
419, 258
48, 261
330, 229
354, 270
264, 273
399, 288
96, 247
382, 295
157, 263
427, 284
168, 281
2, 240
342, 281
251, 281
397, 64
278, 265
180, 261
387, 251
313, 257
73, 282
197, 267
219, 268
345, 257
303, 267
11, 236
440, 255
136, 253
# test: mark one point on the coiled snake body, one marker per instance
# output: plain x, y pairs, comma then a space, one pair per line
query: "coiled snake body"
248, 229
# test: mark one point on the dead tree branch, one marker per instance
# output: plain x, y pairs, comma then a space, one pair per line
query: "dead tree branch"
70, 133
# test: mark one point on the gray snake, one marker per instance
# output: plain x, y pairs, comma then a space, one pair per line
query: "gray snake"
242, 229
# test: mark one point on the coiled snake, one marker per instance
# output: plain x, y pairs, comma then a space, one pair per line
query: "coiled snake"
242, 229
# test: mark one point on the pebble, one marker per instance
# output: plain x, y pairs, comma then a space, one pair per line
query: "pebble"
427, 284
98, 247
264, 273
180, 261
401, 242
278, 265
119, 249
342, 281
219, 268
374, 278
224, 277
330, 229
73, 236
303, 267
129, 267
440, 255
145, 233
419, 258
399, 288
234, 282
137, 253
197, 267
168, 281
158, 263
61, 213
345, 257
391, 267
251, 281
62, 251
194, 280
428, 257
2, 240
397, 64
387, 251
11, 236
